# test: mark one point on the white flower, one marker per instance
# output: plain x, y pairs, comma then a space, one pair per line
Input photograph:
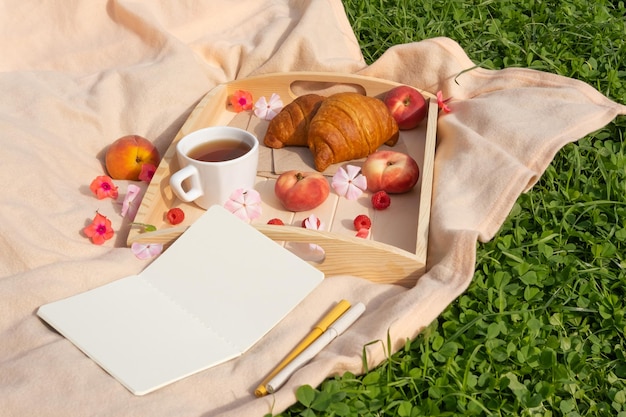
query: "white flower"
245, 204
146, 250
268, 110
349, 182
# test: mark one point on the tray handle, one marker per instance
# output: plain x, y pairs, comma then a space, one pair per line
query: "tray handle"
347, 255
283, 83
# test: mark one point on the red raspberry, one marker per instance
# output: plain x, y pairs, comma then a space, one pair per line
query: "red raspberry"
364, 233
276, 221
381, 200
175, 216
362, 221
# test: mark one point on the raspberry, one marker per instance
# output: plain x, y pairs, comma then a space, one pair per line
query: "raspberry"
175, 216
381, 200
362, 222
275, 221
364, 233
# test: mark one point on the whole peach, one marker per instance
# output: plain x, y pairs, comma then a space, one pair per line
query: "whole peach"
390, 171
301, 191
125, 157
406, 105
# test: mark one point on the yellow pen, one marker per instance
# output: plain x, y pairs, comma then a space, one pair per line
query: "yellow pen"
319, 328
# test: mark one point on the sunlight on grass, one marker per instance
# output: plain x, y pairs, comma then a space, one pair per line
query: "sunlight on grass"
540, 331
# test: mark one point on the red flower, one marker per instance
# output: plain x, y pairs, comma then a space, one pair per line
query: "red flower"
147, 172
442, 103
103, 187
241, 100
99, 230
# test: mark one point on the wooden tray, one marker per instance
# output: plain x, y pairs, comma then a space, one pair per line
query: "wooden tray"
396, 250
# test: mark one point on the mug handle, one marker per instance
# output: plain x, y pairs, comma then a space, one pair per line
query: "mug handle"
176, 182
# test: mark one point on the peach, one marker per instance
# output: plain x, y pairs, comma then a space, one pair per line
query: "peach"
390, 171
125, 157
406, 105
301, 191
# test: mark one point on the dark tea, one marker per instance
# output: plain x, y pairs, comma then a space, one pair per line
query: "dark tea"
219, 150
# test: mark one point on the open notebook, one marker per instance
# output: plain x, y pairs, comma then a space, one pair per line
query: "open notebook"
208, 298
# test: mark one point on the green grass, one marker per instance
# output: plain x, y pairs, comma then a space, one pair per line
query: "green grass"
540, 331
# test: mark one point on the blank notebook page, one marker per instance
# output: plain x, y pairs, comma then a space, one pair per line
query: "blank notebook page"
208, 298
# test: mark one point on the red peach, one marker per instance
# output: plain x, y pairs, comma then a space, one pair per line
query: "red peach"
406, 105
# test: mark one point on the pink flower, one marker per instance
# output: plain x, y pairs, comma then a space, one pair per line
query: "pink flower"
129, 207
267, 110
442, 103
103, 187
241, 100
147, 172
245, 204
349, 182
146, 250
99, 230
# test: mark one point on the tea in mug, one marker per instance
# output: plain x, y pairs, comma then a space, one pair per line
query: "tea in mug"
219, 150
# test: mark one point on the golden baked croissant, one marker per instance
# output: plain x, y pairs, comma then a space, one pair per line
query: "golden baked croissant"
289, 127
349, 126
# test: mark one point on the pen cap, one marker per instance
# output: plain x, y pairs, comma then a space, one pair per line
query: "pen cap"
348, 318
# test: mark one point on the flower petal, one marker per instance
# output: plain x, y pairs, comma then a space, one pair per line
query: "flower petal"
252, 197
360, 182
353, 192
313, 222
128, 207
146, 250
352, 171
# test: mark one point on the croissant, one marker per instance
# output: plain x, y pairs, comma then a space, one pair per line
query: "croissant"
349, 126
289, 127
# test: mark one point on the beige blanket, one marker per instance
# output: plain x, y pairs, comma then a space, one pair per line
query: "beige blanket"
77, 75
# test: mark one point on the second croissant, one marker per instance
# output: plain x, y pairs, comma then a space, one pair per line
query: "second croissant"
341, 127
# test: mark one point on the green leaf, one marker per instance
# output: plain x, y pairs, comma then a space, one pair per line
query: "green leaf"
547, 358
437, 342
567, 406
305, 394
321, 402
371, 378
404, 409
340, 409
146, 227
449, 349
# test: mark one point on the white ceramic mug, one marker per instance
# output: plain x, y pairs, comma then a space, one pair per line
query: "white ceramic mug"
211, 180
